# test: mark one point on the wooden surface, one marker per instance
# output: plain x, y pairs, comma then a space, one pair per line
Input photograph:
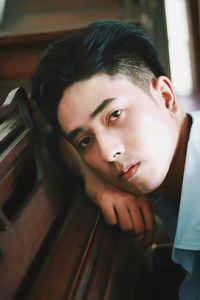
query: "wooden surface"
34, 16
29, 200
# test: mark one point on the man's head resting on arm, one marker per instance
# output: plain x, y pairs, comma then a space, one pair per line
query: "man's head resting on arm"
106, 91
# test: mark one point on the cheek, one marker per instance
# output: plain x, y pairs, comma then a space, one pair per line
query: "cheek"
93, 159
159, 146
150, 137
134, 134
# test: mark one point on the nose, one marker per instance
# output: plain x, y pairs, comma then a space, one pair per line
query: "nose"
110, 149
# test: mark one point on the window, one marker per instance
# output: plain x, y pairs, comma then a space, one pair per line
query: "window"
179, 47
2, 6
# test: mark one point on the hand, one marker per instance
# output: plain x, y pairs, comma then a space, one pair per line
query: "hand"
129, 211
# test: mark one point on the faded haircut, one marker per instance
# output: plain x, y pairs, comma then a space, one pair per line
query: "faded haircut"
107, 47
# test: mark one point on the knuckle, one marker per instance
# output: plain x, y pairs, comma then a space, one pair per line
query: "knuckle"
127, 227
139, 230
112, 222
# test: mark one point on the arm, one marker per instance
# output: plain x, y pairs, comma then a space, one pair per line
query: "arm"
127, 210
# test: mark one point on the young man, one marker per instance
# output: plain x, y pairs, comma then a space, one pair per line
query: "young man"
108, 95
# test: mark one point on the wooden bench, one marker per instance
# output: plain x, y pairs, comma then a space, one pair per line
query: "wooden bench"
54, 243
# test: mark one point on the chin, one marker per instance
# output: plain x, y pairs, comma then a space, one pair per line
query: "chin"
144, 187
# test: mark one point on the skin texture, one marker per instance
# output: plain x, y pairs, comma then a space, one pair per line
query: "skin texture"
118, 207
130, 141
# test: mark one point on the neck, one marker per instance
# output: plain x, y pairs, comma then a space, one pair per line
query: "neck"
172, 185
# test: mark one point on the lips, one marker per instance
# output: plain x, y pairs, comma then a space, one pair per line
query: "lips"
130, 172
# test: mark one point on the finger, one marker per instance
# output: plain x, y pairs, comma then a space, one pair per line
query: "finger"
150, 225
123, 216
137, 218
109, 213
139, 238
147, 214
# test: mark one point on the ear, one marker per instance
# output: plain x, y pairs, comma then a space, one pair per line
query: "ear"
162, 90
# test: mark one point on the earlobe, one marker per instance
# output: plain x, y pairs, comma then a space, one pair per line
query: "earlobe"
163, 89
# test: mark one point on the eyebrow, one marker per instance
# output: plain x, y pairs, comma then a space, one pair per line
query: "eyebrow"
101, 107
73, 134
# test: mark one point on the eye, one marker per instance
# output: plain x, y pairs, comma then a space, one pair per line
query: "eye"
85, 142
114, 115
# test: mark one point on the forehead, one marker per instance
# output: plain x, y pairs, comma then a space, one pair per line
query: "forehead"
80, 100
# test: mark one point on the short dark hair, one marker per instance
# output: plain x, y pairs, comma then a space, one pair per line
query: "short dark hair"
107, 47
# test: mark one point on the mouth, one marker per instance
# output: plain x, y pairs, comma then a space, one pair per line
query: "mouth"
129, 173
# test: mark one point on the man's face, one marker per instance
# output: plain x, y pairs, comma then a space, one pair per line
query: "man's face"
125, 135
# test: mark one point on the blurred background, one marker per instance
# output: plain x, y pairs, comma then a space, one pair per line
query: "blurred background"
27, 26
